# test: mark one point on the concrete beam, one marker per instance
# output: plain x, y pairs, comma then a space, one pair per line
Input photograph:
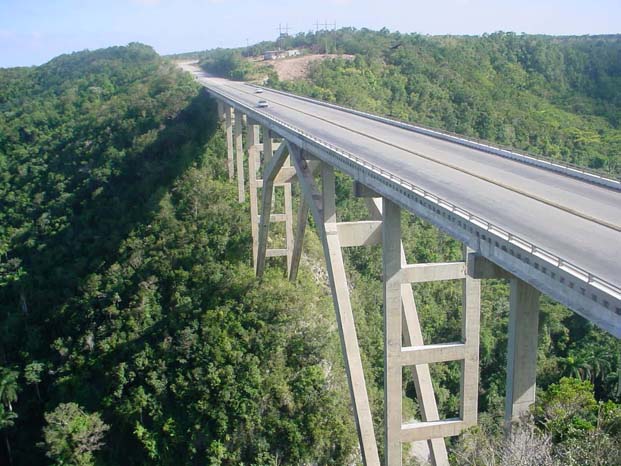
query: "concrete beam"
482, 268
430, 354
522, 350
415, 431
362, 233
276, 252
420, 273
360, 190
285, 175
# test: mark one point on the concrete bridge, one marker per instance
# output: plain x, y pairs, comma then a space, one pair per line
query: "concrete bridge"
547, 227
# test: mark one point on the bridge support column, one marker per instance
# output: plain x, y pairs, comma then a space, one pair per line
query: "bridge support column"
228, 124
322, 207
522, 350
397, 274
279, 175
412, 336
239, 152
252, 142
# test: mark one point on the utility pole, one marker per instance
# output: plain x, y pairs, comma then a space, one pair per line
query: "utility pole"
281, 34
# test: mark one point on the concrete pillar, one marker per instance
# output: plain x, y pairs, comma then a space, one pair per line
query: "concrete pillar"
391, 244
522, 350
471, 308
228, 114
252, 139
239, 151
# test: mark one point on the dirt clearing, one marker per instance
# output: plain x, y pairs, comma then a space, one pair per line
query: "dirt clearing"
298, 67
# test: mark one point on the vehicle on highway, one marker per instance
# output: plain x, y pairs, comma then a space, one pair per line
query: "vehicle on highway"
262, 104
259, 91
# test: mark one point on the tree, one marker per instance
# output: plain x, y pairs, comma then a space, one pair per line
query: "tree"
8, 387
73, 435
32, 374
7, 419
8, 395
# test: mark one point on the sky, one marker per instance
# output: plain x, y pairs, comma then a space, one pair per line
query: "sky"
34, 31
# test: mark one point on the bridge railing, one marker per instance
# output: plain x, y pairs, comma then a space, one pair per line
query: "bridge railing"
517, 241
576, 171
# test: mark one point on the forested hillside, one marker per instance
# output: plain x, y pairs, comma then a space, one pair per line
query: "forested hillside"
132, 329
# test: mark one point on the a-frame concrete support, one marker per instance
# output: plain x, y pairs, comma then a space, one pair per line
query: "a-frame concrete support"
280, 177
323, 208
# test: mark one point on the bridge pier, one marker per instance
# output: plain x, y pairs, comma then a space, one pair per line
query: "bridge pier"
239, 152
228, 125
281, 179
521, 351
252, 143
399, 352
523, 332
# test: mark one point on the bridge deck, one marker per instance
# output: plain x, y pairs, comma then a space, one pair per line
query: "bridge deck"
573, 219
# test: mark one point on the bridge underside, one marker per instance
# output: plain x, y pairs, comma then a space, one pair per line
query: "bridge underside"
273, 165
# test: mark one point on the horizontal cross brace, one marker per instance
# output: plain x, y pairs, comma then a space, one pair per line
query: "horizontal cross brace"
364, 233
276, 252
285, 175
429, 354
275, 218
415, 431
419, 273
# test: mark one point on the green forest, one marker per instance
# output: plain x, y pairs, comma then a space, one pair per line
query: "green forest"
133, 330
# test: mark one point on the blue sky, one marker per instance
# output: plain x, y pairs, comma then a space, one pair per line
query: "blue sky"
34, 31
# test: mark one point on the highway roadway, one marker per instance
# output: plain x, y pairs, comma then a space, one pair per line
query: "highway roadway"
576, 220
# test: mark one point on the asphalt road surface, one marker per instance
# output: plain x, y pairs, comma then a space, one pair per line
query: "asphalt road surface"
576, 220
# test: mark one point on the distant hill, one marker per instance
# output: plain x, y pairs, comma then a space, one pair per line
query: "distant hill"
554, 96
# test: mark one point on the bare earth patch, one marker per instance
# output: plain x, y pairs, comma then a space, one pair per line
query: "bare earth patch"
298, 67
